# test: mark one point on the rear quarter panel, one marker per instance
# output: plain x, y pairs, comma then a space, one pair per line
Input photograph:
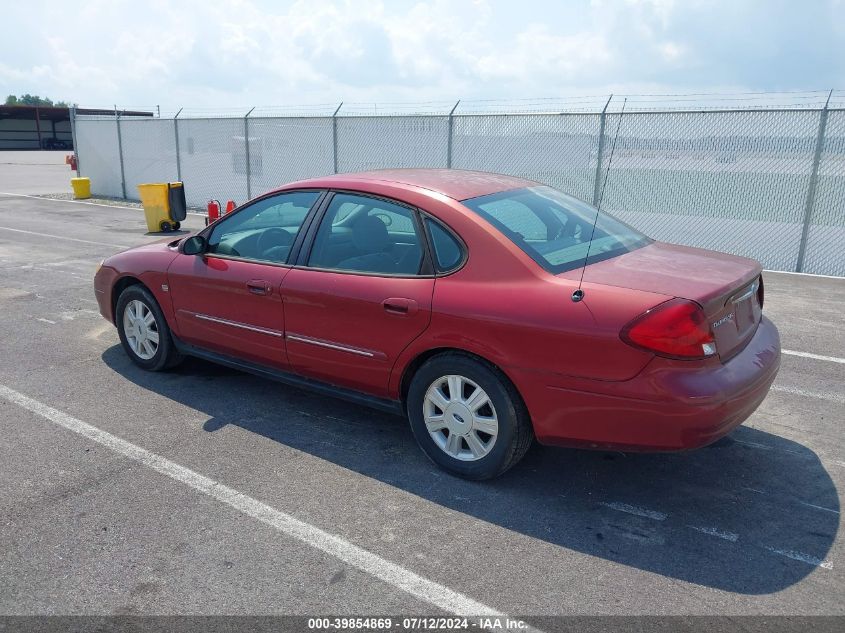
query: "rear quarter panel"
503, 307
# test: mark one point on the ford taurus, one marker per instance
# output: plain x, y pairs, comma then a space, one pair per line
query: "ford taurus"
488, 309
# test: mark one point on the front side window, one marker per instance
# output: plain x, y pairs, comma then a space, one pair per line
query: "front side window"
265, 230
369, 235
554, 229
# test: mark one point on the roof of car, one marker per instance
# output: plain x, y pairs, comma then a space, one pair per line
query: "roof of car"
458, 184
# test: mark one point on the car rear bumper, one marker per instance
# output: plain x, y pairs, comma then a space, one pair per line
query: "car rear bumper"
670, 405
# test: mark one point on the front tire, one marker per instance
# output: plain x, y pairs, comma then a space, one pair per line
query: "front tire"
467, 417
143, 330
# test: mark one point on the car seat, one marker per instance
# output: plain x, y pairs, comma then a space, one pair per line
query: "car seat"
371, 240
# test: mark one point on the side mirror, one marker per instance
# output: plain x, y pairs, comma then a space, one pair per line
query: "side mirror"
194, 245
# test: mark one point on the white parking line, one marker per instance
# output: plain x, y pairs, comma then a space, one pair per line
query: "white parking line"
722, 534
801, 556
640, 512
814, 506
789, 272
821, 395
766, 447
93, 204
830, 359
63, 237
791, 500
426, 590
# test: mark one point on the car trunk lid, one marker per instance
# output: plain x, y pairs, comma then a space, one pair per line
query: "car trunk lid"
725, 286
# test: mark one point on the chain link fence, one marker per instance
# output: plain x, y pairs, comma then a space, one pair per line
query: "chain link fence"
763, 182
97, 142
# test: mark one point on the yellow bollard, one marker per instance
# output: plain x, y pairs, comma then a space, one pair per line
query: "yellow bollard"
81, 188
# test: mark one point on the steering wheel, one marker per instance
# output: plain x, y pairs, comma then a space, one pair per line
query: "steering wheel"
272, 237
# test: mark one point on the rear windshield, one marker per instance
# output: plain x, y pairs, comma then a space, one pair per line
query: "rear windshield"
554, 229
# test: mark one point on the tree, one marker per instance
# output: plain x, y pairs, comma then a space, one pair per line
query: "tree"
32, 100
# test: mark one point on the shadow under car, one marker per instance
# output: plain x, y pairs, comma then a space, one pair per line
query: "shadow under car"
748, 514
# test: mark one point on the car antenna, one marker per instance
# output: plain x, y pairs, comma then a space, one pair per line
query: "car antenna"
579, 294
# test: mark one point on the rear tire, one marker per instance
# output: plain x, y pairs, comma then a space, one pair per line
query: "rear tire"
467, 417
143, 330
165, 227
177, 226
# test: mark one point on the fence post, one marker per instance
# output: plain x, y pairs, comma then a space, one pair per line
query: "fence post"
811, 190
73, 135
600, 151
246, 154
449, 137
120, 152
334, 135
176, 138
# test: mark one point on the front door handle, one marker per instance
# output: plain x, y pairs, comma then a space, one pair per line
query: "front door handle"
399, 306
259, 287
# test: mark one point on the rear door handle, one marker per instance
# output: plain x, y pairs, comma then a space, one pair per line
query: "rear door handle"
399, 306
259, 287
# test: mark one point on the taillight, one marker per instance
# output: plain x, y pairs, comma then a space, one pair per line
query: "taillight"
760, 292
675, 329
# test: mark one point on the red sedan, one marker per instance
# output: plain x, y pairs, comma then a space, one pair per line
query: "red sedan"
456, 298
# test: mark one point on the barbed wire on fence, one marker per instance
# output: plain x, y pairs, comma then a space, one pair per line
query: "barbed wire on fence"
756, 174
787, 99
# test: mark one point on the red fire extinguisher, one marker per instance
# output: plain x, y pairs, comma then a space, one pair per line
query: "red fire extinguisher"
213, 211
230, 206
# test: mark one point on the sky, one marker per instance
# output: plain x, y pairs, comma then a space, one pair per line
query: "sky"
239, 53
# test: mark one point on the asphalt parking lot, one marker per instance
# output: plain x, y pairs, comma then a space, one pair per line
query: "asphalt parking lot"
207, 491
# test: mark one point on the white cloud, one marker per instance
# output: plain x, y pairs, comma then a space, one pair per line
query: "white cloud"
218, 53
659, 9
671, 51
543, 53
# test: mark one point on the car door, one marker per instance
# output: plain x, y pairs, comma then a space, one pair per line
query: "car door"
361, 292
228, 299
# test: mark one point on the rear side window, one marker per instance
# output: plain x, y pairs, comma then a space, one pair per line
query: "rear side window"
367, 235
555, 229
447, 250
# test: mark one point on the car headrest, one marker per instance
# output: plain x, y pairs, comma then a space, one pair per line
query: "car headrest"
369, 234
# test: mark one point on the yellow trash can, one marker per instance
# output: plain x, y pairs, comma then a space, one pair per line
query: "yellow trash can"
164, 205
81, 188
